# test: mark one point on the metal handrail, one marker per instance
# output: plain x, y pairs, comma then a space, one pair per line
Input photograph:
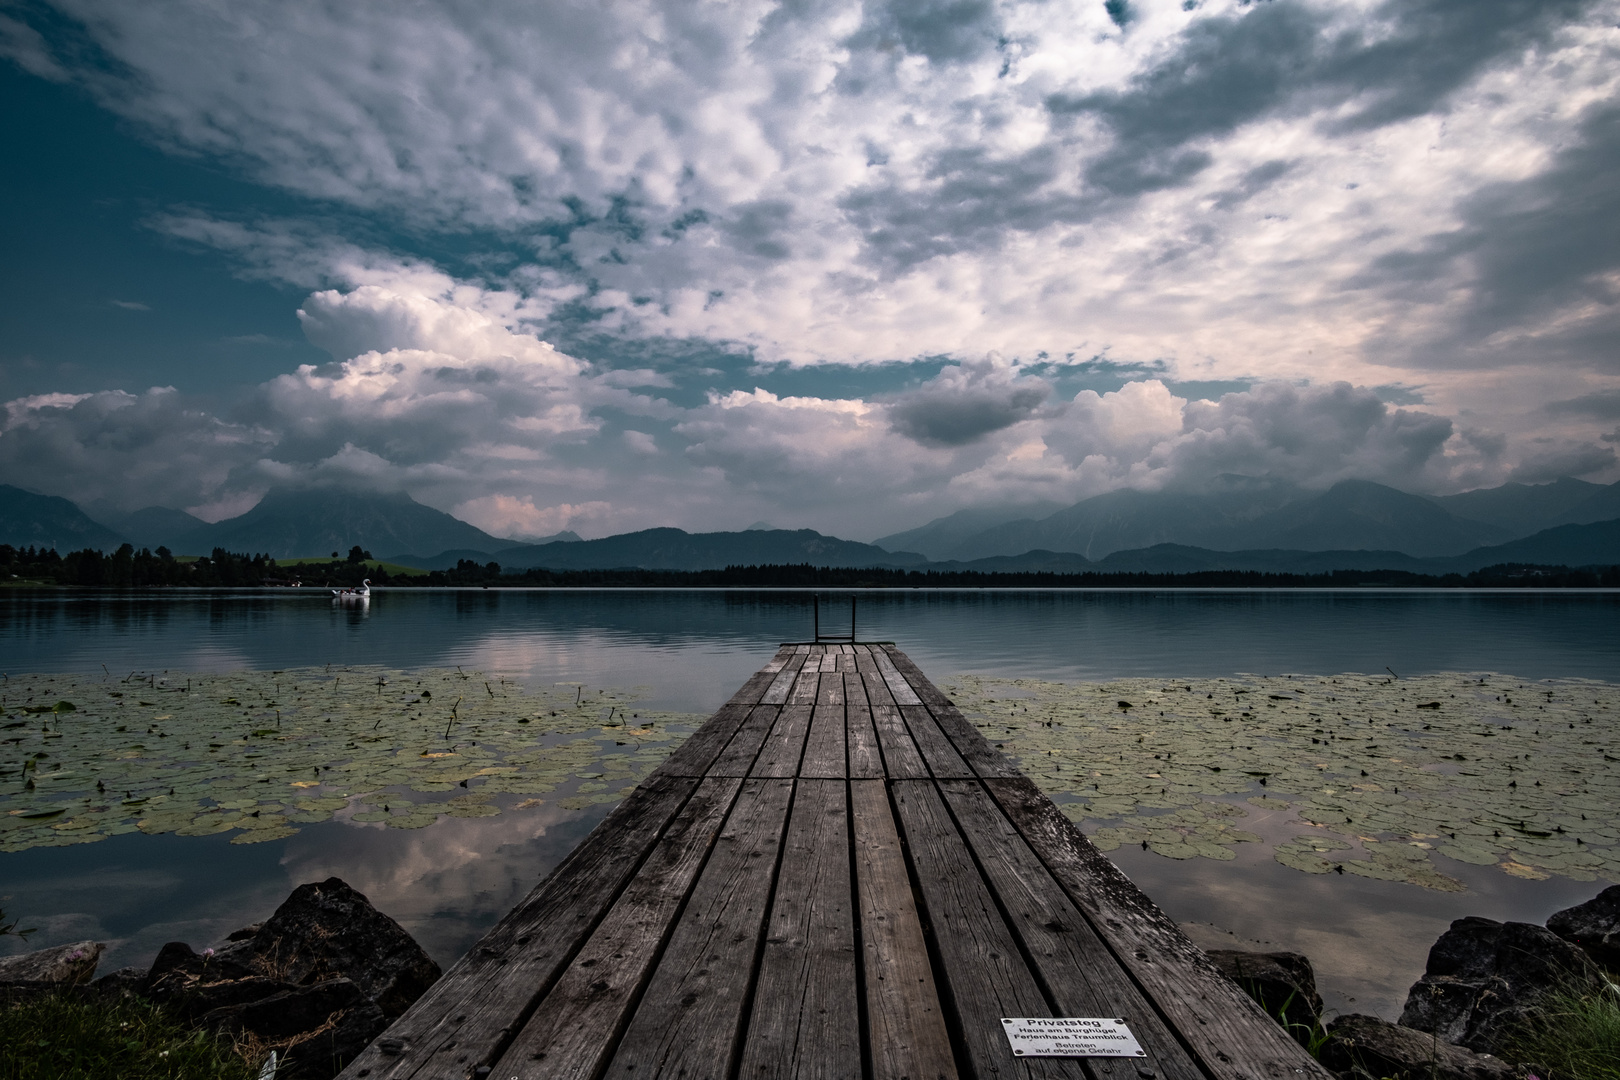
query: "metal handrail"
820, 637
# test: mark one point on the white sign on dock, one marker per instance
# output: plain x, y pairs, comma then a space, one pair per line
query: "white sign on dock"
1071, 1036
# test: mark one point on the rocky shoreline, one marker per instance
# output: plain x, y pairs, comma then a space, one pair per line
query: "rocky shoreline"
315, 983
1483, 981
327, 973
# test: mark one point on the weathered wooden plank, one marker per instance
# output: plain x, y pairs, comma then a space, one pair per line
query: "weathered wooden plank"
576, 1025
938, 751
1078, 971
782, 683
908, 1036
699, 751
975, 749
784, 747
806, 1015
824, 753
865, 759
983, 967
898, 686
806, 685
466, 1018
779, 661
901, 759
1231, 1037
738, 757
687, 1022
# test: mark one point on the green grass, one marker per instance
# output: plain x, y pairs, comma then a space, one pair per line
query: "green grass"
63, 1038
1575, 1036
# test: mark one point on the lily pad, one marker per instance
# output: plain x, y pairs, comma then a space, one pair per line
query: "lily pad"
1401, 775
263, 752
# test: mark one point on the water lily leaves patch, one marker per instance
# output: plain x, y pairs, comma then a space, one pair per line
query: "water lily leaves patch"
260, 753
1376, 774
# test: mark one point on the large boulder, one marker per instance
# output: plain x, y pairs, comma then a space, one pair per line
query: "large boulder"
1367, 1046
316, 982
1594, 926
60, 965
1283, 983
329, 930
316, 1029
1484, 977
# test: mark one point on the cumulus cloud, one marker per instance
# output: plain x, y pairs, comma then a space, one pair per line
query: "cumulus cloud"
1308, 197
882, 180
967, 401
451, 396
506, 515
111, 446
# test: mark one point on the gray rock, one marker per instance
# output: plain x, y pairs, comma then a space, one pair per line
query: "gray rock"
1594, 926
316, 982
317, 1029
1484, 977
329, 930
60, 965
126, 980
1282, 982
1367, 1046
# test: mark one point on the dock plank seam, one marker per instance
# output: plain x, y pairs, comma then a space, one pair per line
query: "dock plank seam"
1190, 1007
1071, 985
441, 1013
581, 1006
757, 909
687, 1023
1175, 1004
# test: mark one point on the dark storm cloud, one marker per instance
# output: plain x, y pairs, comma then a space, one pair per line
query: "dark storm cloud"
1282, 55
1598, 405
1278, 57
762, 228
1548, 459
965, 403
1253, 183
942, 30
975, 201
1535, 248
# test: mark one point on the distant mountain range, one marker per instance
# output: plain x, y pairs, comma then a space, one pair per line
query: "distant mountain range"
1239, 514
1240, 524
1596, 544
30, 520
1523, 509
675, 549
284, 524
289, 523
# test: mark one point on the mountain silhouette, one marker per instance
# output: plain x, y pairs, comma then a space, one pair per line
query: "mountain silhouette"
28, 519
288, 523
676, 549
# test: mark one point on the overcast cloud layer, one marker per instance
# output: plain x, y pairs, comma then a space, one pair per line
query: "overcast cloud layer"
1142, 244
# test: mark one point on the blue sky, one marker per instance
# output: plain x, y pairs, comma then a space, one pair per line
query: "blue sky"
844, 265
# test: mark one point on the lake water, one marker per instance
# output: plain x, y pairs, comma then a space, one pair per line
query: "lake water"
449, 882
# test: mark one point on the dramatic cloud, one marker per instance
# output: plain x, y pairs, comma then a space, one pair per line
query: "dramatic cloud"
963, 403
113, 446
1068, 226
449, 397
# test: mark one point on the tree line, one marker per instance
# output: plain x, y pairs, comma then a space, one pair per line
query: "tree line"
128, 568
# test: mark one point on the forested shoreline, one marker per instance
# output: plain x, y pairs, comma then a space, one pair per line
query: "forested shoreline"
128, 568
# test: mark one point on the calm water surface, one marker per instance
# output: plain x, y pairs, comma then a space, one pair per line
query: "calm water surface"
449, 882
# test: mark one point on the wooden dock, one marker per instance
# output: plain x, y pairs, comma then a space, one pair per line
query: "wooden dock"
835, 877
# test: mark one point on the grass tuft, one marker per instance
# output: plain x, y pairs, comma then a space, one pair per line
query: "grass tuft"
61, 1037
1574, 1036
